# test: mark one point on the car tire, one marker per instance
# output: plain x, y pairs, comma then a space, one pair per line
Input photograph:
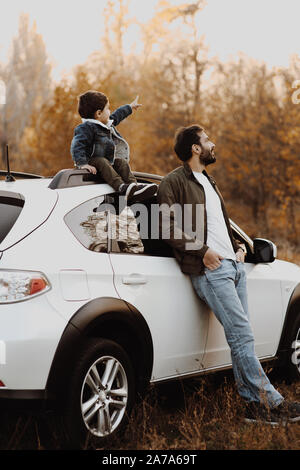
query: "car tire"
100, 395
293, 364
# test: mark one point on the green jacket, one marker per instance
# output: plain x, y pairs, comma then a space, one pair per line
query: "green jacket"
184, 227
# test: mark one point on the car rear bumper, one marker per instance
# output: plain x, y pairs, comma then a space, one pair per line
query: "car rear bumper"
8, 394
29, 334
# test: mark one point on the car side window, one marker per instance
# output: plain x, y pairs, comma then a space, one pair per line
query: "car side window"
104, 225
89, 225
135, 231
123, 233
149, 230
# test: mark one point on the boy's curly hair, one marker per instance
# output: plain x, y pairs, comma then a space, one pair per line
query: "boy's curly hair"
90, 102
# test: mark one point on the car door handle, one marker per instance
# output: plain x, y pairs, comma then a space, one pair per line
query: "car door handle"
134, 279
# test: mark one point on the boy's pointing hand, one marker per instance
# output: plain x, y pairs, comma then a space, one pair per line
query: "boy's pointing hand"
135, 104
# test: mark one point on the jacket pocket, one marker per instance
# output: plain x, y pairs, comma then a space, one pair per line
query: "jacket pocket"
103, 147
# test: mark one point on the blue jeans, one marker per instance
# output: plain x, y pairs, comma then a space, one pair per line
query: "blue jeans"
225, 292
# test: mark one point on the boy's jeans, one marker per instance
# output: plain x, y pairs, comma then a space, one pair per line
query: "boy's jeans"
225, 292
115, 173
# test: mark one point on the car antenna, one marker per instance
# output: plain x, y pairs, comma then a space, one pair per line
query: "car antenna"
9, 177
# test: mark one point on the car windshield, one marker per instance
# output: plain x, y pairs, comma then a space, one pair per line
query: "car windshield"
11, 205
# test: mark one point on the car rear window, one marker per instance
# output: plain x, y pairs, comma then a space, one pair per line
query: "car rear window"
11, 205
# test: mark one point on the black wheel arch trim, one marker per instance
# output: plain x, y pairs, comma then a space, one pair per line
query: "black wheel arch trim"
107, 317
293, 309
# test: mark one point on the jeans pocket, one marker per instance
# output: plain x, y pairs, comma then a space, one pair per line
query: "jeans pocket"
207, 270
214, 274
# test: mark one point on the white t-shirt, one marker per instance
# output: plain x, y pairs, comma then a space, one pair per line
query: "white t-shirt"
217, 233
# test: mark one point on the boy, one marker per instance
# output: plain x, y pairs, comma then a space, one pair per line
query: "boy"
98, 146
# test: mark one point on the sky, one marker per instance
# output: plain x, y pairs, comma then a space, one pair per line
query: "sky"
266, 30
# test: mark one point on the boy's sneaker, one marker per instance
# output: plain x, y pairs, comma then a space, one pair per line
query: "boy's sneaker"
144, 191
286, 412
128, 190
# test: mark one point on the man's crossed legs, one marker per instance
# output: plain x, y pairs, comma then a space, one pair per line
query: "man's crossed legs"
224, 290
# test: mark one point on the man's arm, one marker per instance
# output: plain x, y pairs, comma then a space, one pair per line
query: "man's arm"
241, 251
170, 230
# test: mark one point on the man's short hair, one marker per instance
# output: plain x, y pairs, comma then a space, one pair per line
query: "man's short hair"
90, 102
185, 137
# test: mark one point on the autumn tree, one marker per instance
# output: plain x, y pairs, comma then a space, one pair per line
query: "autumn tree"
244, 117
27, 77
170, 67
251, 117
287, 163
246, 109
47, 140
110, 61
173, 37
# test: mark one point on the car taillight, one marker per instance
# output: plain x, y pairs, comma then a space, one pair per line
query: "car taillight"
17, 285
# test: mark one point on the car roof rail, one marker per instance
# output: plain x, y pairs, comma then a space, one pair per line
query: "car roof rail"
147, 176
20, 174
69, 178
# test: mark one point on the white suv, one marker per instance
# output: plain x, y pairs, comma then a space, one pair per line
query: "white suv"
88, 320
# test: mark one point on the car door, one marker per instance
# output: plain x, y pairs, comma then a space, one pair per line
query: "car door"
265, 308
155, 285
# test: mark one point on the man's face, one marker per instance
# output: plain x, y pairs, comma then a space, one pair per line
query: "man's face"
207, 155
103, 116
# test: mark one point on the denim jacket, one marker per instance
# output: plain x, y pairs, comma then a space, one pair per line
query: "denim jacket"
95, 140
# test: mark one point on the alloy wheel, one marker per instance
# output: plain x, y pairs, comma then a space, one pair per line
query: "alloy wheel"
296, 351
104, 396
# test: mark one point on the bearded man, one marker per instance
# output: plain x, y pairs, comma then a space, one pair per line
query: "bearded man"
214, 260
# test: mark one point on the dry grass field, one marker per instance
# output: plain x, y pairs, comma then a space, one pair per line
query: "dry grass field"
199, 414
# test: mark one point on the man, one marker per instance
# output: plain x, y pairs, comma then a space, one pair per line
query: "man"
206, 250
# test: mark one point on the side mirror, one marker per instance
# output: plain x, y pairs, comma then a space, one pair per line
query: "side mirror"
265, 251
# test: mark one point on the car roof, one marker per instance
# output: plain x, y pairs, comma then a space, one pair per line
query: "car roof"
39, 202
42, 194
67, 178
66, 190
72, 185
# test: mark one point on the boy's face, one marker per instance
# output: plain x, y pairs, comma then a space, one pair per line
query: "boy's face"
103, 116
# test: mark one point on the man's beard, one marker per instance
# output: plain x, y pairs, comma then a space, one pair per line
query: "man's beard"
207, 157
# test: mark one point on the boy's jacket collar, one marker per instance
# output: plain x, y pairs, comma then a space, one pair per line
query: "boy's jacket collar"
95, 121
